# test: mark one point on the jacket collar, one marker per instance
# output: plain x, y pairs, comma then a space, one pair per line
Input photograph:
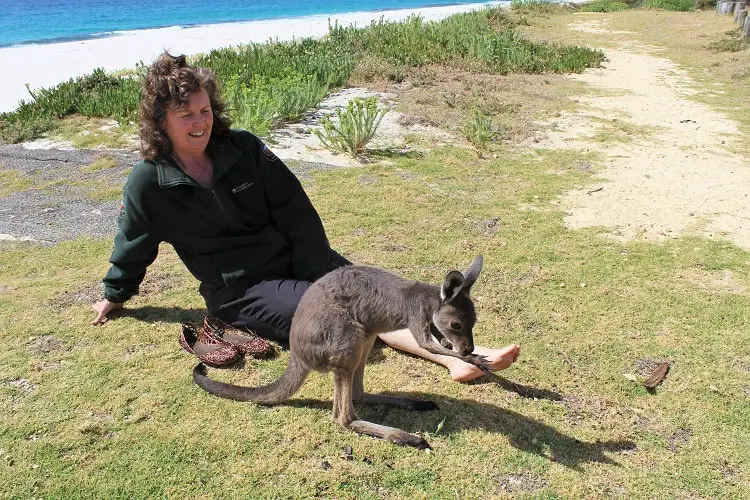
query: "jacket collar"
223, 153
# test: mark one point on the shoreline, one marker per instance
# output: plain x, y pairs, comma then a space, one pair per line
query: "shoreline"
186, 25
48, 64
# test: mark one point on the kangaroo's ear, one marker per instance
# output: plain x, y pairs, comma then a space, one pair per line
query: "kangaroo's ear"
471, 274
454, 282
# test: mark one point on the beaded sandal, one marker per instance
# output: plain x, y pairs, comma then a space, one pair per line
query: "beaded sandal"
246, 342
209, 349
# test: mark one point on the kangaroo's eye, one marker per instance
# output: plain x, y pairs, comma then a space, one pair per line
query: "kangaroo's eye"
455, 325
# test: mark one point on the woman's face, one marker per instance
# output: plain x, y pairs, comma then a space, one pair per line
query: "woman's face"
189, 128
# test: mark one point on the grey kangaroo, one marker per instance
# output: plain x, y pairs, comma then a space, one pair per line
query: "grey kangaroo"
335, 327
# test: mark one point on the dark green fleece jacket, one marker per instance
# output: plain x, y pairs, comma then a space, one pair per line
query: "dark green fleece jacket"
255, 223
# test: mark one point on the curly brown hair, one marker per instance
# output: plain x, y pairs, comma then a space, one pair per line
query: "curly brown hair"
168, 85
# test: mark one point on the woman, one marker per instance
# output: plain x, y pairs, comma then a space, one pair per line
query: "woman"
237, 217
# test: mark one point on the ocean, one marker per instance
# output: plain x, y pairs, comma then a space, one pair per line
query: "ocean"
48, 21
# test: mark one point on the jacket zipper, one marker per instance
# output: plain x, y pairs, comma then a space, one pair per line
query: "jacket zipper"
218, 201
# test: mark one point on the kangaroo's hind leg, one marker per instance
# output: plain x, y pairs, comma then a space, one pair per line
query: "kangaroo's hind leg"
346, 386
345, 411
360, 396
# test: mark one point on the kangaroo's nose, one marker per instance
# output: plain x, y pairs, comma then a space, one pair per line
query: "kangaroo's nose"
467, 351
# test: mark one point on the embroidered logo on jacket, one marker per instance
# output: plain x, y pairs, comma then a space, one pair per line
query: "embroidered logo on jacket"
268, 153
241, 187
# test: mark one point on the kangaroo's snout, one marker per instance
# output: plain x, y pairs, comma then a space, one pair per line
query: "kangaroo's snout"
466, 351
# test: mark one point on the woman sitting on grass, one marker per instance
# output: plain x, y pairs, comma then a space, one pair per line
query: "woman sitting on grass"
236, 215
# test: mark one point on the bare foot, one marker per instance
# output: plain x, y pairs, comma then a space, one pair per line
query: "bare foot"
498, 359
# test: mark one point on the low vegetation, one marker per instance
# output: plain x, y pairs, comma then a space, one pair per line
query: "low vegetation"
353, 128
268, 84
480, 131
548, 7
603, 6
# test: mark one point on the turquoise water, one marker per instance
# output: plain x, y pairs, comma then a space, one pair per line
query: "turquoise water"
46, 21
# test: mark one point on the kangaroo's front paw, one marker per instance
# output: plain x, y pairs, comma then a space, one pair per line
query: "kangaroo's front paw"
478, 360
446, 343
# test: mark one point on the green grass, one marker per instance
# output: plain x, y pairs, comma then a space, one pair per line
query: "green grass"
113, 411
12, 180
486, 37
538, 7
88, 180
615, 6
603, 6
675, 5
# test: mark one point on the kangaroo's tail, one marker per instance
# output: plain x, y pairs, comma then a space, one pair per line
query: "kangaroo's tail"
277, 392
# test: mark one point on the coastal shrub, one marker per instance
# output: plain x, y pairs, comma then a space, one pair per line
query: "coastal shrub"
263, 102
96, 94
297, 95
24, 124
353, 128
480, 131
537, 7
675, 5
603, 6
269, 84
251, 107
318, 59
704, 4
486, 36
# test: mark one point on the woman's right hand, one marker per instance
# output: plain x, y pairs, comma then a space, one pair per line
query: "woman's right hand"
102, 308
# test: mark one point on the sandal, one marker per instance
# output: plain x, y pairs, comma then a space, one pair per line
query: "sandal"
209, 349
246, 342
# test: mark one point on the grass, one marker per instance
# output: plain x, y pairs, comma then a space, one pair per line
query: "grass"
733, 41
112, 411
615, 6
12, 180
674, 5
616, 130
603, 6
95, 181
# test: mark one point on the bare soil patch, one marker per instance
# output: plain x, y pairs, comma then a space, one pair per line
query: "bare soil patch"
679, 180
45, 344
154, 282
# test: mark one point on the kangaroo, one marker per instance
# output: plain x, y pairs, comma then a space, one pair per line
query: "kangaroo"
336, 324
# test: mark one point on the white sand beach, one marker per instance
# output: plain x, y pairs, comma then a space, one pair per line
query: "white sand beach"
45, 65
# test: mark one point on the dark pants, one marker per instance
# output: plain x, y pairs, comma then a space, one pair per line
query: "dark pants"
267, 307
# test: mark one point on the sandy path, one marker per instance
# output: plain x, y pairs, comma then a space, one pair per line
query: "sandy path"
677, 180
